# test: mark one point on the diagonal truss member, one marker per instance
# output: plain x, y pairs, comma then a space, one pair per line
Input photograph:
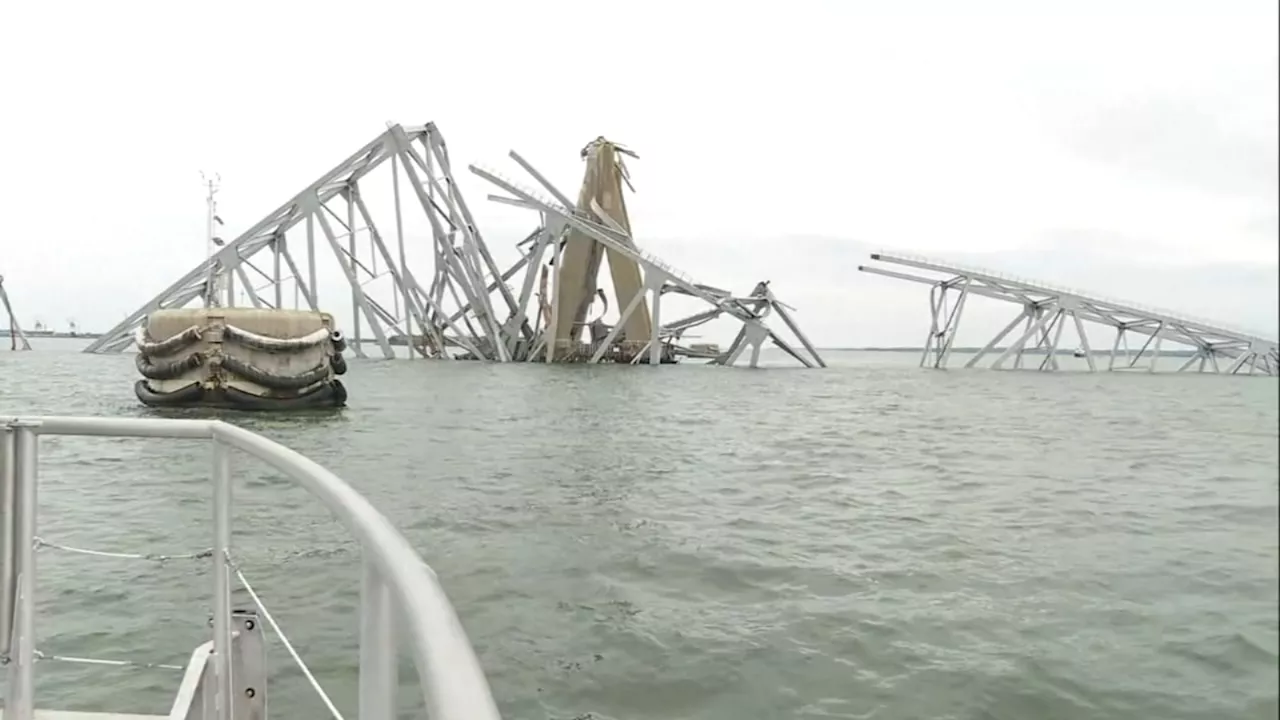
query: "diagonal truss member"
17, 339
1045, 311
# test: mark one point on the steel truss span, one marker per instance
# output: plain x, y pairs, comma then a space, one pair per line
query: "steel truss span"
464, 305
1036, 330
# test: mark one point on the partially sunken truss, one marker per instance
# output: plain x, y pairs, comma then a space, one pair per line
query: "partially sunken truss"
1045, 311
17, 339
464, 306
595, 223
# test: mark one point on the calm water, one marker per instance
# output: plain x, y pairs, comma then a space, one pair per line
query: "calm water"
872, 541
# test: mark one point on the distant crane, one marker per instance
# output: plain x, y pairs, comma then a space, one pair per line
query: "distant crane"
15, 331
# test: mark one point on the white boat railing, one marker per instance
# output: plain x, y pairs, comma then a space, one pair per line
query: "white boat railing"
401, 597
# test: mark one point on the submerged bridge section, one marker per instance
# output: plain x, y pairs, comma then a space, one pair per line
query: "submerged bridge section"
1044, 312
363, 216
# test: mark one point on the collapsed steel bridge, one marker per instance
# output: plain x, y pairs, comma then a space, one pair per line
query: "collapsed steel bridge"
469, 307
1046, 310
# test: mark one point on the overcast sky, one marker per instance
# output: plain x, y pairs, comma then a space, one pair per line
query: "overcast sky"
1125, 146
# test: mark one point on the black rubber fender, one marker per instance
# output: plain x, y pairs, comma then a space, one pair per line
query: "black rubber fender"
167, 369
339, 341
329, 395
338, 363
183, 396
273, 381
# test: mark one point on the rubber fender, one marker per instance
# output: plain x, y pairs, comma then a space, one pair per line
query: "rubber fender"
273, 381
170, 344
330, 394
270, 344
167, 369
186, 395
339, 341
338, 363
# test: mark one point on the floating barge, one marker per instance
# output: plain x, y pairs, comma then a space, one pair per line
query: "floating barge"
241, 358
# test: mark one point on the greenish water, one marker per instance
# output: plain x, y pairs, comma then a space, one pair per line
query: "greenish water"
870, 541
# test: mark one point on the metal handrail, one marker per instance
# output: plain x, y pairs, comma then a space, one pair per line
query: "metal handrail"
397, 583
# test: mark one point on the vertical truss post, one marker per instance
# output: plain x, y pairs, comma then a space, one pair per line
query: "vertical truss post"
276, 249
1084, 341
230, 276
937, 296
953, 324
357, 293
408, 329
655, 316
1115, 348
550, 334
1155, 351
311, 254
942, 335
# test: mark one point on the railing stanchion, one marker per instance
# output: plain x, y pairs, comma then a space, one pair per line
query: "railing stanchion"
8, 530
378, 667
20, 700
222, 579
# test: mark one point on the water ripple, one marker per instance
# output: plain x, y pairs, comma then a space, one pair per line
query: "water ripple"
867, 542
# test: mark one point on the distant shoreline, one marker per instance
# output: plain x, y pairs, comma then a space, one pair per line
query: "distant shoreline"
61, 335
1031, 351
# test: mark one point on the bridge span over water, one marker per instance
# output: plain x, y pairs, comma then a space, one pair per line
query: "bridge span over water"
1045, 310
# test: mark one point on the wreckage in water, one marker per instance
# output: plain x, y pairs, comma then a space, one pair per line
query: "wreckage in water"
549, 305
240, 358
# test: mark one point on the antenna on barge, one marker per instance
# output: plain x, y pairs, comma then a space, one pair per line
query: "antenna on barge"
215, 283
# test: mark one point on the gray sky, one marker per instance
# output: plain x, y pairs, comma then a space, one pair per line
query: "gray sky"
1125, 146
